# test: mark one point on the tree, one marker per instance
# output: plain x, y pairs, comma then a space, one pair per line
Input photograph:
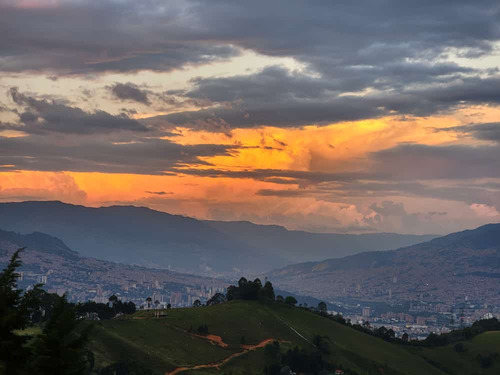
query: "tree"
14, 315
267, 291
322, 343
279, 298
216, 299
322, 307
233, 292
250, 290
59, 350
290, 301
197, 303
43, 303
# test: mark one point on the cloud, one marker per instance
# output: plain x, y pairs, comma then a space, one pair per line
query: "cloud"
159, 192
129, 91
358, 61
41, 186
485, 132
157, 35
280, 176
283, 193
278, 97
142, 156
391, 215
41, 116
412, 162
103, 36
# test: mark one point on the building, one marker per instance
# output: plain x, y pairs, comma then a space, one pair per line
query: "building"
366, 312
421, 320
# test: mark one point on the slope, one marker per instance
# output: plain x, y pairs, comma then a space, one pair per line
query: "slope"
169, 343
443, 269
47, 259
319, 245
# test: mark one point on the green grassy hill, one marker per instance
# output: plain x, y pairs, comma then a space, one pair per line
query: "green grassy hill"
239, 330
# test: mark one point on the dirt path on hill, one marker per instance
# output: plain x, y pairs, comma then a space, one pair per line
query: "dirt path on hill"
246, 349
214, 339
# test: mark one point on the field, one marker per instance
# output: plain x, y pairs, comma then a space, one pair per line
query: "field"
466, 362
239, 330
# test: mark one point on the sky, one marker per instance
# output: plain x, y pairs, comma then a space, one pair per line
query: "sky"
325, 116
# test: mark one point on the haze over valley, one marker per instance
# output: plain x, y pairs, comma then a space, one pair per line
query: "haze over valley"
135, 235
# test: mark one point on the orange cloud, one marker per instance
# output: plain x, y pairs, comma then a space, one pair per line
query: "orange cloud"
343, 147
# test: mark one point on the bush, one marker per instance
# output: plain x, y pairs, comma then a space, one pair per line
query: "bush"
203, 329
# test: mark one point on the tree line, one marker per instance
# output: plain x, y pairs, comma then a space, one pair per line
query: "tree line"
251, 291
60, 348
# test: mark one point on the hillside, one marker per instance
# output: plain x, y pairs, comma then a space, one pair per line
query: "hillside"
138, 235
239, 330
292, 242
48, 260
447, 269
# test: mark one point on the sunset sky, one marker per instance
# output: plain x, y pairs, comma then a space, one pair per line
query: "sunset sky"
327, 116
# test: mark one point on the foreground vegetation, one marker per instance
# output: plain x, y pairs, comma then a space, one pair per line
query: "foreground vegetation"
248, 331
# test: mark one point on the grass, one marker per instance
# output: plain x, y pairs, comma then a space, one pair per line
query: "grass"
30, 331
166, 343
466, 362
152, 342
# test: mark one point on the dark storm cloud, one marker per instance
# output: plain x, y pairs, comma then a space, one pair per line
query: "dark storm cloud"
44, 116
422, 162
80, 38
347, 191
159, 35
485, 132
277, 97
277, 82
144, 156
277, 175
129, 91
449, 191
59, 137
391, 47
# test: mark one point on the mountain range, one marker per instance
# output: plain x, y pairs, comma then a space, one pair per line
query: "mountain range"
453, 268
138, 235
46, 259
457, 267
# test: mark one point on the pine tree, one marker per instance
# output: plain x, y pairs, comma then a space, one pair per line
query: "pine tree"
60, 349
14, 315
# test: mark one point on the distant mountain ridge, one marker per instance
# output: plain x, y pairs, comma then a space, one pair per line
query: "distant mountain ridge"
48, 260
138, 235
301, 245
40, 241
448, 268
